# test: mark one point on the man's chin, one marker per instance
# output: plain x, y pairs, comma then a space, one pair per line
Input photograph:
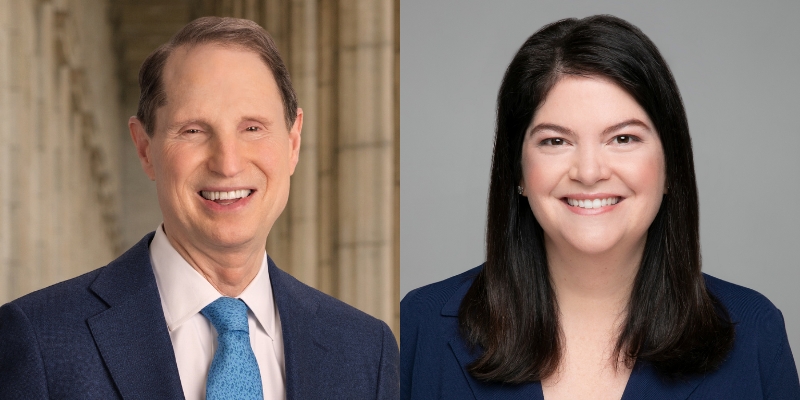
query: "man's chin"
233, 239
215, 236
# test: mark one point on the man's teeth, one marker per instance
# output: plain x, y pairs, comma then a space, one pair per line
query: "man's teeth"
233, 194
596, 203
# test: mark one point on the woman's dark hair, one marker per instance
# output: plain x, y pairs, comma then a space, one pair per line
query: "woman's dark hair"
510, 312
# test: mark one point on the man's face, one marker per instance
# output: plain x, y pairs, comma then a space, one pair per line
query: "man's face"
221, 154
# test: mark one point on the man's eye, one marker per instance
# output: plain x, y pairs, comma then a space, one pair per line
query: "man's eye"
192, 131
553, 142
252, 128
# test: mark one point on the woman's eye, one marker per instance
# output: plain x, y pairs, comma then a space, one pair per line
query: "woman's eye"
553, 142
625, 139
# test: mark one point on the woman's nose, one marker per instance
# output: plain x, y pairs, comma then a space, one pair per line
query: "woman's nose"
589, 166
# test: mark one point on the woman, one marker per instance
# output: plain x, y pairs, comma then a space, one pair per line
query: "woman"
592, 285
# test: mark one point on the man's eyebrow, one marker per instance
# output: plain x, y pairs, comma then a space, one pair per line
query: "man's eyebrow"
258, 118
267, 122
179, 124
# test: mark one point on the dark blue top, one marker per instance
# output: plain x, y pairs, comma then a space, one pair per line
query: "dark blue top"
433, 356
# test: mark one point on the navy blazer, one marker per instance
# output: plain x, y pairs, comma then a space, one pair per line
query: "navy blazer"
103, 335
434, 357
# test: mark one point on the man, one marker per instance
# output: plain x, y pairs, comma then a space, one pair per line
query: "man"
197, 309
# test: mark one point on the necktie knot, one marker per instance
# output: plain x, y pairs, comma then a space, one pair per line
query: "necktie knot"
227, 314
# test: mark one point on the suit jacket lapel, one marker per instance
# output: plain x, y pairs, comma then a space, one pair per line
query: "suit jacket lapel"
132, 334
303, 347
464, 356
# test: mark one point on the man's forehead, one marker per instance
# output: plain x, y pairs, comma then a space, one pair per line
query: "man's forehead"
191, 56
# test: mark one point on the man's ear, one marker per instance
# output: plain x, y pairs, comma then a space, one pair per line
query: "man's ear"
142, 142
294, 139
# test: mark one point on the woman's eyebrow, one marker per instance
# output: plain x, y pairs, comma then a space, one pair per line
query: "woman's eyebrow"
550, 127
566, 131
624, 124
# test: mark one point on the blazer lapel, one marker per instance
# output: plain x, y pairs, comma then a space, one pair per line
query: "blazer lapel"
465, 356
132, 334
303, 347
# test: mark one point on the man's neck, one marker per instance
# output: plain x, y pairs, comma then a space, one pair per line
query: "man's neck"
229, 271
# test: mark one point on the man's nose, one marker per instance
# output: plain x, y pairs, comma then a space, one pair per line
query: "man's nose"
226, 155
589, 166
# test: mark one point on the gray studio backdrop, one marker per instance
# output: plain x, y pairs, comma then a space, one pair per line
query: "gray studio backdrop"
737, 65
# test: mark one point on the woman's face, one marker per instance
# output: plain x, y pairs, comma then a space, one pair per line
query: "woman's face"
593, 167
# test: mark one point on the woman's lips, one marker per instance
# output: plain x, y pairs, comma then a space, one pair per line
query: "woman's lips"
593, 203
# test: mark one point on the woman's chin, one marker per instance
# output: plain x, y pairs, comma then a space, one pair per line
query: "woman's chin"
589, 245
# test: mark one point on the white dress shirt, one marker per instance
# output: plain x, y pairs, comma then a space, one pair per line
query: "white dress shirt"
184, 292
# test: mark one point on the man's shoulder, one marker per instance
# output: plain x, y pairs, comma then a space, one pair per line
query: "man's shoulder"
77, 298
336, 318
61, 301
323, 334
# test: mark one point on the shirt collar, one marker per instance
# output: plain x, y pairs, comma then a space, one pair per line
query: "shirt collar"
184, 292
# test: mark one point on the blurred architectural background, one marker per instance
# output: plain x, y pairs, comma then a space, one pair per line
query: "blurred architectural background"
72, 193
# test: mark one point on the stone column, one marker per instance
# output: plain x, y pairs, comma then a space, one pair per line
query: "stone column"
366, 152
58, 183
5, 150
328, 112
303, 202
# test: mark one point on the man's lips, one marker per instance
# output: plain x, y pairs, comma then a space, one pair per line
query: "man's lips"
222, 195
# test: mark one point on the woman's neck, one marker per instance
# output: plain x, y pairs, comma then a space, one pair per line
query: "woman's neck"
597, 285
592, 293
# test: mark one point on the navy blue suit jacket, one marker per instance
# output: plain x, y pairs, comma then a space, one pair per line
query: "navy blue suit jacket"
434, 357
103, 335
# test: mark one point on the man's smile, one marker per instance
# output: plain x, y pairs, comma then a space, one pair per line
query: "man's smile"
226, 197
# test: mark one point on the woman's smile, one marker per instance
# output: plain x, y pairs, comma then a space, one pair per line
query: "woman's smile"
591, 204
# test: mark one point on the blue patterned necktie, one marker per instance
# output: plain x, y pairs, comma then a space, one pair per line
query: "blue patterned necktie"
234, 372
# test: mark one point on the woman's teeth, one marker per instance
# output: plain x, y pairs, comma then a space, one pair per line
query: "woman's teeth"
232, 195
596, 203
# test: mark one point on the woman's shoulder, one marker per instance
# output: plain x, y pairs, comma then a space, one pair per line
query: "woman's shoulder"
435, 296
429, 330
436, 299
761, 360
743, 304
758, 322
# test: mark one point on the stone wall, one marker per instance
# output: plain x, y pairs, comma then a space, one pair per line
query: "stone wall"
59, 139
